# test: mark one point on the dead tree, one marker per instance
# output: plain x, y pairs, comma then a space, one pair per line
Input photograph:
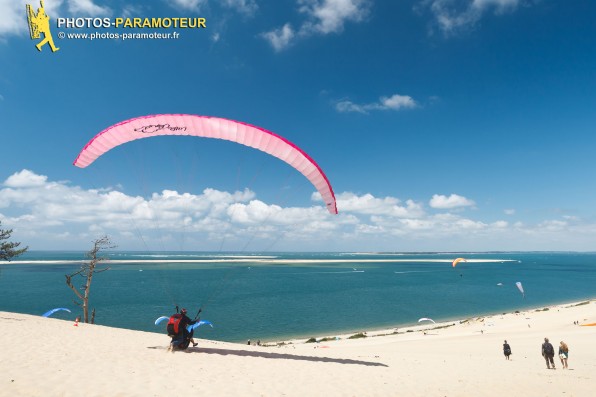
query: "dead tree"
87, 271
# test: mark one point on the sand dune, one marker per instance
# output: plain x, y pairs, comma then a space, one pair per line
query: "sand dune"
50, 357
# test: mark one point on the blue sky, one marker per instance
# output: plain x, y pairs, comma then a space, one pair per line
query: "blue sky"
442, 125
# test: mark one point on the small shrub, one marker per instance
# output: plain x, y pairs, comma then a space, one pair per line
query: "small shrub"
444, 326
311, 340
357, 336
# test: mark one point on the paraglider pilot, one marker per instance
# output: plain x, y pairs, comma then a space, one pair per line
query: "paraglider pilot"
181, 337
185, 321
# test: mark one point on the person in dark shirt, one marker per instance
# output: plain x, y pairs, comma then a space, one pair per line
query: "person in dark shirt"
548, 352
185, 322
506, 350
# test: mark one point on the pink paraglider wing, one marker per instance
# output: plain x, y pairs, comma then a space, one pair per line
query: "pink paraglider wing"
209, 127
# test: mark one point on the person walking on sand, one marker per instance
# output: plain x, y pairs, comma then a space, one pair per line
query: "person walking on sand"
506, 350
548, 352
563, 354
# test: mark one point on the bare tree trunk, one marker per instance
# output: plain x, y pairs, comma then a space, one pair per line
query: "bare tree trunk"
72, 287
87, 271
91, 270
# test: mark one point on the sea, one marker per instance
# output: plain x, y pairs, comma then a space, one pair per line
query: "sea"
280, 296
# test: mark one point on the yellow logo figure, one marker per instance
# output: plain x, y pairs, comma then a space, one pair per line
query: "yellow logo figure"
40, 23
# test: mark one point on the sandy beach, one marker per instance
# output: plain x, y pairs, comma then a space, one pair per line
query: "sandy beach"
51, 357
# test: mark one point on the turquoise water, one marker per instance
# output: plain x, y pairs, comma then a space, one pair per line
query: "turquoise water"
253, 296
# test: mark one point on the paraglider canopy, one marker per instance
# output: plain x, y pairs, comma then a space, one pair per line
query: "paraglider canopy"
209, 127
427, 319
520, 288
188, 328
197, 325
456, 261
50, 312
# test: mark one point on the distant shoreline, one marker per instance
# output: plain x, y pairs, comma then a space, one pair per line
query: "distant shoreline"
408, 329
255, 260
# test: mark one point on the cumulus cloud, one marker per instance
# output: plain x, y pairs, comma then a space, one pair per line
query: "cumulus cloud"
452, 16
56, 214
132, 10
500, 224
394, 102
280, 38
247, 7
321, 17
192, 5
14, 18
509, 211
440, 201
25, 178
87, 7
553, 225
329, 16
367, 204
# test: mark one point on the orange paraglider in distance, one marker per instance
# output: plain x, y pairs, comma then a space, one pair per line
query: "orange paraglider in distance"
455, 262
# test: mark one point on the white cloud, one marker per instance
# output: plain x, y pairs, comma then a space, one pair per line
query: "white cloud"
500, 5
52, 214
452, 16
553, 225
571, 218
397, 102
369, 205
246, 7
440, 201
322, 17
25, 178
280, 38
329, 16
509, 211
192, 5
87, 7
394, 102
14, 15
131, 11
348, 106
